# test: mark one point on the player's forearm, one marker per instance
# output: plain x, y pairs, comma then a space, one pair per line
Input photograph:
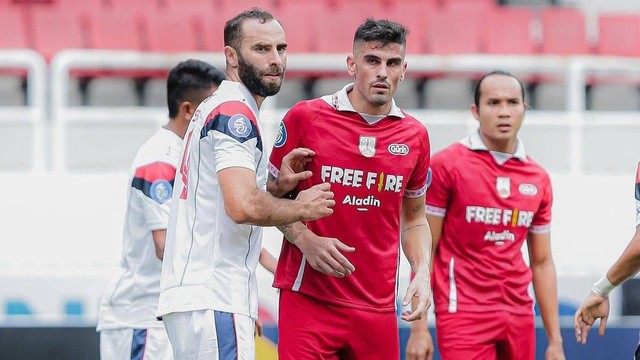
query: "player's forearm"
263, 209
293, 231
418, 326
545, 287
273, 187
628, 263
416, 243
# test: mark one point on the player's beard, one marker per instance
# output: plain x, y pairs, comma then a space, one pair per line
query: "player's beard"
252, 78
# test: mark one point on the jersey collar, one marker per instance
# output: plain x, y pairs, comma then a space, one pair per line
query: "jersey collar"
244, 92
340, 101
473, 141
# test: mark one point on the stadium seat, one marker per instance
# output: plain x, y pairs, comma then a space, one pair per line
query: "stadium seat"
509, 32
136, 6
454, 30
11, 91
414, 15
563, 32
472, 3
294, 16
115, 30
170, 32
239, 6
12, 29
618, 35
337, 25
56, 29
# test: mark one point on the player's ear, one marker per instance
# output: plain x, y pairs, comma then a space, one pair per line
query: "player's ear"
231, 56
351, 65
474, 111
188, 108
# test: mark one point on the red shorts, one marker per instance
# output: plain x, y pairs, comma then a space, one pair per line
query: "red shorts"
312, 329
486, 336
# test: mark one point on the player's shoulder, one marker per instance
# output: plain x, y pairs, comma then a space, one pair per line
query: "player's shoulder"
450, 155
163, 146
534, 166
306, 110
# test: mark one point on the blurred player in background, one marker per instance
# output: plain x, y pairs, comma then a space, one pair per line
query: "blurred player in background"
596, 305
127, 321
208, 297
376, 156
485, 199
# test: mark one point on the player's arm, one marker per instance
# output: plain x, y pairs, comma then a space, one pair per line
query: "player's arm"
545, 288
420, 343
291, 172
159, 238
268, 261
246, 204
415, 237
596, 305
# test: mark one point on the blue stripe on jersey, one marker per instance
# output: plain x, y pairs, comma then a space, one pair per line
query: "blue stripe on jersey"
638, 191
220, 123
226, 334
146, 188
138, 344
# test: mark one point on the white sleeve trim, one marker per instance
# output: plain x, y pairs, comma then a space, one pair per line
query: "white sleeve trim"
540, 229
435, 211
273, 170
415, 193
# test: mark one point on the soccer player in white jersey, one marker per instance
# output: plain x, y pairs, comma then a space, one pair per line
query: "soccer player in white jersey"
596, 305
127, 322
208, 297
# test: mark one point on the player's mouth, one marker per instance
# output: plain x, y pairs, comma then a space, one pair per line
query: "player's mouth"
382, 86
504, 127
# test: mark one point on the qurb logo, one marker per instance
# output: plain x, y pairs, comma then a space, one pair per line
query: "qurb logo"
398, 149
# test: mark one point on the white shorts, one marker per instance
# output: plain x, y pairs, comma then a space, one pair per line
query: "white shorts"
134, 344
210, 335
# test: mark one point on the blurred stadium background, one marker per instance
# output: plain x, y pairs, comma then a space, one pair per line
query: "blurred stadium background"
82, 86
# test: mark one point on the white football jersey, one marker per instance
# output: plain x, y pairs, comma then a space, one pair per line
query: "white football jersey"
209, 261
133, 300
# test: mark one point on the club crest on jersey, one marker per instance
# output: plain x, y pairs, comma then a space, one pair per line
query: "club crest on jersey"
367, 146
161, 191
239, 125
398, 149
503, 186
282, 135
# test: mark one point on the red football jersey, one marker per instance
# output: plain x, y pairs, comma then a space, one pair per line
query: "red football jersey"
489, 203
371, 167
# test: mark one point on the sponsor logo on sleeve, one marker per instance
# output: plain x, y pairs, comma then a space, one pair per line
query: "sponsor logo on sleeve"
398, 149
282, 135
528, 189
367, 146
239, 125
161, 191
429, 177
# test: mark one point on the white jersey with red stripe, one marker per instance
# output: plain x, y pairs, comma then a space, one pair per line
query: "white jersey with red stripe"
133, 300
490, 202
638, 195
210, 261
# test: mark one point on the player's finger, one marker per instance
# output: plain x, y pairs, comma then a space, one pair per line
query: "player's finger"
336, 267
410, 293
325, 186
603, 326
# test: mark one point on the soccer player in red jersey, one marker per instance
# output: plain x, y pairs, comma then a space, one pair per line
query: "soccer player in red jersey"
486, 198
337, 275
596, 305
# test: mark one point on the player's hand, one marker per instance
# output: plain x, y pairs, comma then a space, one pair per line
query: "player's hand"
292, 170
554, 351
258, 330
324, 254
594, 307
420, 287
419, 345
318, 200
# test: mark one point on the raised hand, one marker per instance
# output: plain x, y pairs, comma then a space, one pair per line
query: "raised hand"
292, 170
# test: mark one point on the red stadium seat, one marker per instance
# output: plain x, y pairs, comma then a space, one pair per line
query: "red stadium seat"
509, 32
137, 6
335, 28
619, 35
13, 31
170, 32
563, 31
56, 29
297, 20
414, 15
115, 30
455, 30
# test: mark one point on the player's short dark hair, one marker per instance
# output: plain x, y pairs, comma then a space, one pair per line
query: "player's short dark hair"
382, 31
476, 90
189, 81
233, 27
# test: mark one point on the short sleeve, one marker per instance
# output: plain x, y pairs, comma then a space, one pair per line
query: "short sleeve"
418, 181
153, 186
542, 219
439, 190
287, 139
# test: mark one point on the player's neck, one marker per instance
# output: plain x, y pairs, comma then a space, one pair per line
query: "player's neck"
507, 146
174, 126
